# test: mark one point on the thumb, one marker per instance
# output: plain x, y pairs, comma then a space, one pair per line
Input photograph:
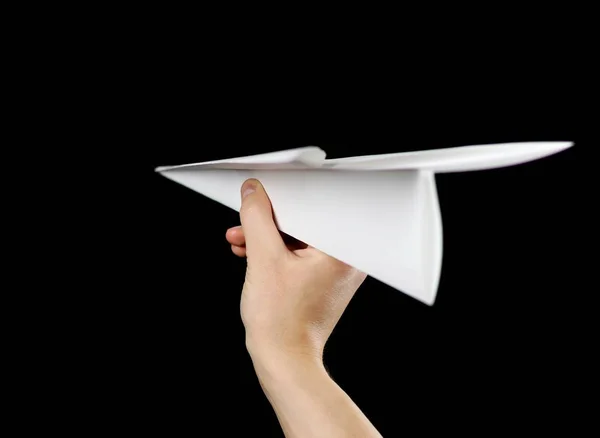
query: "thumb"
262, 236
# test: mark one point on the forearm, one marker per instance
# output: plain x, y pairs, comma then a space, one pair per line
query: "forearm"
308, 403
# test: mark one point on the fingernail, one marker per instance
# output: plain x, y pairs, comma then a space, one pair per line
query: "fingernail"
248, 187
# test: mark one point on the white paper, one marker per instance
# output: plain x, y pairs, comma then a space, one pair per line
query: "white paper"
378, 213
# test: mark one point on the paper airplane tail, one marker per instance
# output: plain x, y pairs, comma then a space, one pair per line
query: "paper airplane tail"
386, 223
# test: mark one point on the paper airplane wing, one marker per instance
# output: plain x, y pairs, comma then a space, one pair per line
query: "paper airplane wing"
379, 214
457, 159
299, 158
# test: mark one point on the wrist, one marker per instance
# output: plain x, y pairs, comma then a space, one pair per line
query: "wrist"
303, 346
275, 366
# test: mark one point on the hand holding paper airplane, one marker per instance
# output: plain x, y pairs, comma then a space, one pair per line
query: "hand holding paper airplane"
388, 203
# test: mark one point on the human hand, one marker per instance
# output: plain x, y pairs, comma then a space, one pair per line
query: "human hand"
293, 294
292, 298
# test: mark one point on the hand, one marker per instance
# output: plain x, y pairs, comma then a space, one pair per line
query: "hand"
293, 295
292, 298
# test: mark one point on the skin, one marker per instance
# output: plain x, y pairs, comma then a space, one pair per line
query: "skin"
292, 298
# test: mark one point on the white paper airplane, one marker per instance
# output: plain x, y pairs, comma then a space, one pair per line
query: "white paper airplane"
378, 213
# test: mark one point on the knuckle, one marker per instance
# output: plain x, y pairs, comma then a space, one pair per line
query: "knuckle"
337, 265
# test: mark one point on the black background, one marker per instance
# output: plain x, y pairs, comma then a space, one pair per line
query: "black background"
139, 325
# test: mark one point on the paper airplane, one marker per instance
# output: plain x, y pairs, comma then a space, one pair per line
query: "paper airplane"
378, 213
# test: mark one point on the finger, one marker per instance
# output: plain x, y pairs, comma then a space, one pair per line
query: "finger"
256, 214
238, 250
235, 236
